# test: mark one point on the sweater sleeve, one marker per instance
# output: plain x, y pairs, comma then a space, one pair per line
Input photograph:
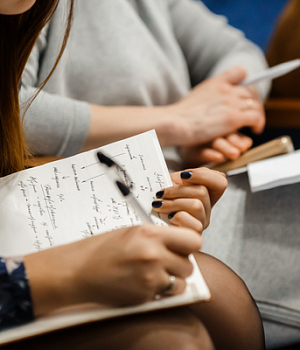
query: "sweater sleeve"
211, 45
15, 299
53, 124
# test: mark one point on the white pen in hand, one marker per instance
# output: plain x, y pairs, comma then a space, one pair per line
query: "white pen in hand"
271, 73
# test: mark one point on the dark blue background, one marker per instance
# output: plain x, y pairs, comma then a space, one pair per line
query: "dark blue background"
256, 18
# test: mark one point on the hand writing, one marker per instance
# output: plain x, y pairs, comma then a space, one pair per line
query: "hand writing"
123, 267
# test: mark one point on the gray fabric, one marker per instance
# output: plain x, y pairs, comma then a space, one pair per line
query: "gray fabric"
258, 236
278, 335
124, 52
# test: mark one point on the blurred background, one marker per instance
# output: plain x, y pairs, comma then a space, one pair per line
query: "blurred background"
274, 26
256, 18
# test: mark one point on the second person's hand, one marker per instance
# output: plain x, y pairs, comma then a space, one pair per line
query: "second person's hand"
221, 149
215, 108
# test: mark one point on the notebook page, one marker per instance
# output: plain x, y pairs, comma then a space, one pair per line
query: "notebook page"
75, 198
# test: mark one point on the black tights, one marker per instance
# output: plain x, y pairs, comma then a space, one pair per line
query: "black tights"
231, 317
229, 321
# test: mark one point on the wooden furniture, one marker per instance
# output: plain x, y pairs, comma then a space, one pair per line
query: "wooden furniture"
283, 106
269, 149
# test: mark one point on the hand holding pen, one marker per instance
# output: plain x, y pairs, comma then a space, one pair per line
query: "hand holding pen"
192, 212
272, 73
187, 203
227, 100
125, 190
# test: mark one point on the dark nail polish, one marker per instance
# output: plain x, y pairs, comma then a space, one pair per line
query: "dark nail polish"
160, 194
171, 215
157, 204
185, 175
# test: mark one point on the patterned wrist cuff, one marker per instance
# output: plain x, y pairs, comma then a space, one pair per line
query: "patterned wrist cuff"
15, 299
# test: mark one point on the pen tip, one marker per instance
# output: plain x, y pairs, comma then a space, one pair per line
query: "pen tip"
124, 189
104, 159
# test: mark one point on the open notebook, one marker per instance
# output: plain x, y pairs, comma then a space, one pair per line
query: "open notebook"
74, 198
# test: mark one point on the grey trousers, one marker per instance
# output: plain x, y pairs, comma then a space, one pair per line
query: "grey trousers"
258, 236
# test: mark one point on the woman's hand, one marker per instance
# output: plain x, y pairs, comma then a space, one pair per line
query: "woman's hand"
189, 201
217, 107
222, 148
123, 267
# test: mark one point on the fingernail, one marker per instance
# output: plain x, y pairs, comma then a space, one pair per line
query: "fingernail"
157, 204
160, 194
171, 215
185, 175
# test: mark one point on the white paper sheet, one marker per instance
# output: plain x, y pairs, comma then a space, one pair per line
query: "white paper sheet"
74, 198
274, 172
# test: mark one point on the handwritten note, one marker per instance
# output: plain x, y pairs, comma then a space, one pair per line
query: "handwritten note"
75, 198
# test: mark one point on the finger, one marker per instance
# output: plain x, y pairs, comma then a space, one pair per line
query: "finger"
170, 280
209, 155
214, 181
182, 191
255, 120
243, 92
172, 287
184, 219
252, 118
179, 240
179, 266
227, 148
175, 198
249, 104
234, 75
190, 205
196, 156
254, 93
240, 141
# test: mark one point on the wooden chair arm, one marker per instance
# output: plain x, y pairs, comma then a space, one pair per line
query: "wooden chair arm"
283, 113
285, 46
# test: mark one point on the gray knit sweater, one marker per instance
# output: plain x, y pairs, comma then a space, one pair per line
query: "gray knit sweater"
124, 52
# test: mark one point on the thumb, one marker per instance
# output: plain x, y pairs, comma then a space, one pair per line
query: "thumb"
235, 75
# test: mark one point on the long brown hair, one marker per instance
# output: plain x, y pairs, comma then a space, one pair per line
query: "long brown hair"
18, 34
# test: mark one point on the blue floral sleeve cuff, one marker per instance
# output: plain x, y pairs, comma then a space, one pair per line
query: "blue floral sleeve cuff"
15, 299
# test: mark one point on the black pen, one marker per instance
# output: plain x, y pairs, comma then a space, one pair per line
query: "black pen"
124, 189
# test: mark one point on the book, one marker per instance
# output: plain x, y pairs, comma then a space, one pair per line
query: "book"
278, 146
75, 198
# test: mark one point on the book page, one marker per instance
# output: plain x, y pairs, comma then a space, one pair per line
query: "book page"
75, 198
